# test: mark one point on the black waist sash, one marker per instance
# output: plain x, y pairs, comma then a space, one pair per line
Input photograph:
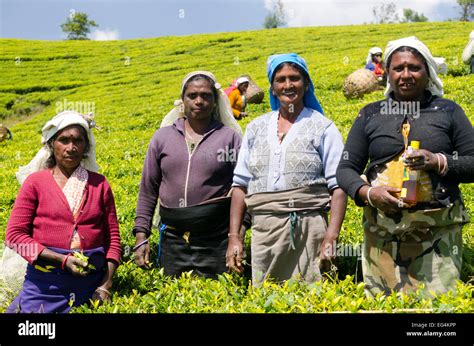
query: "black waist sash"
208, 217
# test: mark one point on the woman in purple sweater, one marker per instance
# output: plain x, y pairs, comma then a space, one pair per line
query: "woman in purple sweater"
64, 208
189, 166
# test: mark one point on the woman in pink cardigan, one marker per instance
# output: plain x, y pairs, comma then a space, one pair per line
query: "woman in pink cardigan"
63, 209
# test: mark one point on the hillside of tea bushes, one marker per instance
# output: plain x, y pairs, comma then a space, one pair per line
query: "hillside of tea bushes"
130, 85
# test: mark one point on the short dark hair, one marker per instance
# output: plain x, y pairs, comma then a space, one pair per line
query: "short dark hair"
200, 77
51, 161
296, 66
412, 50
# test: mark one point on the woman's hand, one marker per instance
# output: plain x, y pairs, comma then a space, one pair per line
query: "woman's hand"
235, 249
73, 264
338, 211
142, 254
328, 247
235, 253
422, 159
102, 294
383, 198
327, 254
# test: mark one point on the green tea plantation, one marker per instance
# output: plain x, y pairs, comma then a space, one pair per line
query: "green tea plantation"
131, 85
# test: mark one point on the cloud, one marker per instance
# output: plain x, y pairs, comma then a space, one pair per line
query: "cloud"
301, 13
105, 35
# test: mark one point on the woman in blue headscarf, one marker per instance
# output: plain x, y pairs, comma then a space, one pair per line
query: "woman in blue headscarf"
286, 179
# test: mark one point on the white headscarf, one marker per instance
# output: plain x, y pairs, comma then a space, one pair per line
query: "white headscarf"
435, 85
372, 51
242, 80
59, 122
223, 112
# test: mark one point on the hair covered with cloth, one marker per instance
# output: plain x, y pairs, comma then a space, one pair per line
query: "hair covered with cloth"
372, 51
236, 83
435, 85
273, 62
241, 80
49, 131
222, 111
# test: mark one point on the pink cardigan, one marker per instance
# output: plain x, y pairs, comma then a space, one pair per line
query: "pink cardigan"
41, 218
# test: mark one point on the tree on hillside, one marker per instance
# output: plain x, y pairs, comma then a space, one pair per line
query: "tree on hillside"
276, 18
410, 16
77, 26
467, 10
385, 13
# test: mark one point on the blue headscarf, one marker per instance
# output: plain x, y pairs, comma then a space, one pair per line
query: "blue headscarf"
309, 98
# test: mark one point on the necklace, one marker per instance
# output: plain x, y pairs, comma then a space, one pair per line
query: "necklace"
191, 139
281, 134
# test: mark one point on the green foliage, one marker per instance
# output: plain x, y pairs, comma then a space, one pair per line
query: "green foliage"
85, 259
133, 85
410, 16
233, 294
77, 26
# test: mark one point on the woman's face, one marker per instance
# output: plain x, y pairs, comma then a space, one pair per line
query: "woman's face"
198, 100
377, 58
288, 86
408, 76
69, 147
243, 87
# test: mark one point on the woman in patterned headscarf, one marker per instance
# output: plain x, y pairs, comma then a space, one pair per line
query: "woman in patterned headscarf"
406, 244
286, 179
64, 208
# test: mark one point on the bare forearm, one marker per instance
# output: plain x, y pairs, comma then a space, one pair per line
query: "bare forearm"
237, 209
338, 210
51, 256
109, 274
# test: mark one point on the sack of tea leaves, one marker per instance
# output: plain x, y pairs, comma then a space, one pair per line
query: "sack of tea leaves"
468, 52
12, 275
442, 65
4, 133
254, 94
358, 83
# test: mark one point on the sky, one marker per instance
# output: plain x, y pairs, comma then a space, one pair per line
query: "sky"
129, 19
